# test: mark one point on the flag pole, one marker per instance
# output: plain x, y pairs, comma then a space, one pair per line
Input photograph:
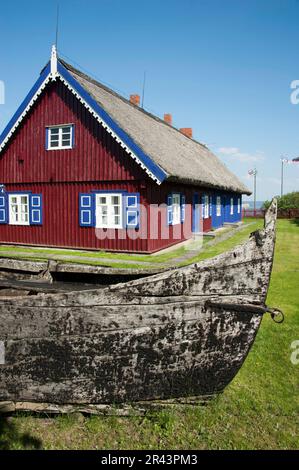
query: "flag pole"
254, 194
283, 161
281, 181
253, 172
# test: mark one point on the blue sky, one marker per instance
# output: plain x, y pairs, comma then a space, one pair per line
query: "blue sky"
223, 67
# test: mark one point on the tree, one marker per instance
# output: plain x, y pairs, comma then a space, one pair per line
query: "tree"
288, 201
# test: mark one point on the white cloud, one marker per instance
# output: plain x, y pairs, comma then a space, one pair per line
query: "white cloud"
236, 154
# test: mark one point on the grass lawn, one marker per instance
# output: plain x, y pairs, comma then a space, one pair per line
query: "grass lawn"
258, 410
119, 260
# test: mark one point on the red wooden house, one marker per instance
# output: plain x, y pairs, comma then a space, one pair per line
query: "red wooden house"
82, 167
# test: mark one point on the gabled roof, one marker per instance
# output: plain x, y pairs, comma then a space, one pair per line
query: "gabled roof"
160, 149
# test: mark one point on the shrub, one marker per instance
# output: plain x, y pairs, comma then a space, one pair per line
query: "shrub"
288, 201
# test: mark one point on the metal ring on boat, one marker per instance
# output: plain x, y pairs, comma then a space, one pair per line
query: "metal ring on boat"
276, 314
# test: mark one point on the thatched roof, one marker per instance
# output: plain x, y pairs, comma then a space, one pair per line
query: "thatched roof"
182, 158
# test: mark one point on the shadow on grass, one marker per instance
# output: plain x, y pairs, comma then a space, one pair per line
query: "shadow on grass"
11, 438
295, 221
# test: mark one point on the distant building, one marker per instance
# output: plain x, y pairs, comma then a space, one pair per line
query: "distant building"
78, 162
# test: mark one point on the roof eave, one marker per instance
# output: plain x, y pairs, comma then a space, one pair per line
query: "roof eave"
146, 163
203, 184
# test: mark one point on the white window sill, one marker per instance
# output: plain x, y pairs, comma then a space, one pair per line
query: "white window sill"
60, 148
19, 223
110, 227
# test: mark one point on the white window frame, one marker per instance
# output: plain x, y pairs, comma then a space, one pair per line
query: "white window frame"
12, 214
176, 208
207, 207
110, 213
231, 206
239, 205
218, 206
60, 136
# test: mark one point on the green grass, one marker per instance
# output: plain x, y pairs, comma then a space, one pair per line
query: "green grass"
118, 260
258, 410
217, 248
45, 252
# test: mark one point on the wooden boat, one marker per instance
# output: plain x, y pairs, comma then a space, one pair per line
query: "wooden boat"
181, 333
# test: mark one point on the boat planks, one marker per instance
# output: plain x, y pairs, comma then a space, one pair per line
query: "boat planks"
181, 333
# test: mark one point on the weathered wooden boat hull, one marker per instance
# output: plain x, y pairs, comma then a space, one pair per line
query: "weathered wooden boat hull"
185, 332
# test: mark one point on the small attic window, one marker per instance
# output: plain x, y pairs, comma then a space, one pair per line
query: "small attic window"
60, 137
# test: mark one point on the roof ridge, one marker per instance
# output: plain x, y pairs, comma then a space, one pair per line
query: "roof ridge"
110, 90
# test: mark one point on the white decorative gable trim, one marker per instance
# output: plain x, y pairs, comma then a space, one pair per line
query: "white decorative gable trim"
26, 110
55, 70
54, 63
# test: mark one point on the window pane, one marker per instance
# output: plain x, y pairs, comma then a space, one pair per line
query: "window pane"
66, 135
19, 209
115, 199
60, 137
108, 209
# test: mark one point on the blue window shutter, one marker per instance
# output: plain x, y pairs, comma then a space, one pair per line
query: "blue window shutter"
132, 210
183, 207
3, 209
203, 206
86, 210
73, 136
169, 209
35, 209
47, 138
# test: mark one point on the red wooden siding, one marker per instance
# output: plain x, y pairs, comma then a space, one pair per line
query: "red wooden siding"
61, 220
96, 156
157, 195
207, 224
96, 162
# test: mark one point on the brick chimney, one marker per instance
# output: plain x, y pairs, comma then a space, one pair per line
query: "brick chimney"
187, 131
168, 118
135, 99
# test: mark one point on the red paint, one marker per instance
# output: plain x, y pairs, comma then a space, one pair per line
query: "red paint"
96, 155
207, 224
96, 162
